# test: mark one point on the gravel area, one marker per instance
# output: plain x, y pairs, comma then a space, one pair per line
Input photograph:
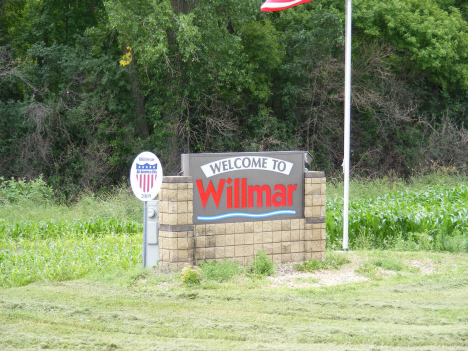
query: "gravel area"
287, 276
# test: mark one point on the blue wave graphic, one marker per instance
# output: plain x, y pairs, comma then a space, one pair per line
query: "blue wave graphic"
242, 214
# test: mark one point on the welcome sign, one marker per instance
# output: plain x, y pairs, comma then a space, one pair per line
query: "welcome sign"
241, 187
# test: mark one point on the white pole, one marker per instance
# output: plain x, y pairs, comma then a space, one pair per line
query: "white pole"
145, 230
347, 121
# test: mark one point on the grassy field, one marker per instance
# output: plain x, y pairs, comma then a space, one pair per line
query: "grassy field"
71, 278
413, 301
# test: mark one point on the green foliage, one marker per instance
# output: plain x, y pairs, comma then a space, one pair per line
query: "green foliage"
55, 229
49, 21
261, 265
330, 262
219, 271
381, 264
190, 275
435, 38
142, 25
431, 219
35, 190
390, 264
219, 75
116, 203
62, 248
70, 255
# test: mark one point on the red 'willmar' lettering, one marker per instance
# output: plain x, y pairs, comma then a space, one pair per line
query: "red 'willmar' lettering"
204, 196
279, 199
260, 190
241, 195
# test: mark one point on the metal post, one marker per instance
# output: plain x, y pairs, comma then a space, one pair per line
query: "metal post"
152, 233
347, 122
145, 230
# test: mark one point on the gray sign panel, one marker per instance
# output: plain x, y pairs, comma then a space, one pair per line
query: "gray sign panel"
248, 186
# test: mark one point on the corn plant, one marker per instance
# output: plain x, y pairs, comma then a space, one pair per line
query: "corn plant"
438, 212
53, 229
71, 256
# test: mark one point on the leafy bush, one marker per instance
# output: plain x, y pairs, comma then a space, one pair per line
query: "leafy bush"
190, 275
16, 190
261, 265
457, 242
219, 271
331, 262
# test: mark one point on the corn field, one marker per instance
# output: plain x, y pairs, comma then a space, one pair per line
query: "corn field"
433, 217
66, 250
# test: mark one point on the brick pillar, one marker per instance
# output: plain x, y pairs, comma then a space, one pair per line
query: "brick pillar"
176, 243
314, 213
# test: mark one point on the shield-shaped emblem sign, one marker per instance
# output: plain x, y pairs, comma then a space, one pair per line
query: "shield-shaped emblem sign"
146, 176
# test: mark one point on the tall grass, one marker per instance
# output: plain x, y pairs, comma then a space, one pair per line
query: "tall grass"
118, 203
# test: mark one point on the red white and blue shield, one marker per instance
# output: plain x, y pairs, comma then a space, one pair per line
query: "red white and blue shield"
146, 176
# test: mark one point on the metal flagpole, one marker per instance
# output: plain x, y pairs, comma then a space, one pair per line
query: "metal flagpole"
347, 122
145, 231
277, 5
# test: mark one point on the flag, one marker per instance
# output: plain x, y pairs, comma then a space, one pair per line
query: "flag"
277, 5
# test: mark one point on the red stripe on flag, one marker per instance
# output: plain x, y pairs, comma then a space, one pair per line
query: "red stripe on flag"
141, 179
152, 181
277, 5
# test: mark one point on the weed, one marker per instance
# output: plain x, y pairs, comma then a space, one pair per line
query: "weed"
363, 240
457, 242
261, 265
331, 262
219, 271
119, 203
370, 271
190, 275
390, 264
19, 190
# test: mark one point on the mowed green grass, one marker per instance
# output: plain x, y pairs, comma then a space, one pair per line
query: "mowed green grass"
400, 309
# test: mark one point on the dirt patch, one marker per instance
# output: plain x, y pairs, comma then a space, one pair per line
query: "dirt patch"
287, 276
425, 267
